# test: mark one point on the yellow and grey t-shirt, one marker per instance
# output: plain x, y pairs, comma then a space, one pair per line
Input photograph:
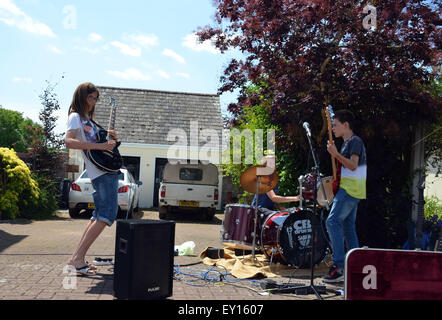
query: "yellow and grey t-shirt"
354, 182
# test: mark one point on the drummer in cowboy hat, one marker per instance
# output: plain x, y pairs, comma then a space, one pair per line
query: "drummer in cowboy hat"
269, 201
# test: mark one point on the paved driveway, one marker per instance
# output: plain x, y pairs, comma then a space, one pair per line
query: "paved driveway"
33, 256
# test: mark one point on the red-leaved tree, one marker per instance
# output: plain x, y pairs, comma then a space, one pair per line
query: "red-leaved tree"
375, 59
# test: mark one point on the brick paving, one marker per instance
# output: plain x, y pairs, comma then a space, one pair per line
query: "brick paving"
33, 257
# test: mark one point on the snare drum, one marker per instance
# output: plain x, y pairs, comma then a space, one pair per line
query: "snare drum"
286, 238
308, 189
238, 226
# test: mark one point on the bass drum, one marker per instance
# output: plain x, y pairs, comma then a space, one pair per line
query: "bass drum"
286, 238
238, 226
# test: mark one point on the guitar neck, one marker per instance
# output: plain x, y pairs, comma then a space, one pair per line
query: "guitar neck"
113, 112
333, 166
330, 139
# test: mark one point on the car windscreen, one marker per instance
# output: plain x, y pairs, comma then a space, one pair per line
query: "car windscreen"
191, 174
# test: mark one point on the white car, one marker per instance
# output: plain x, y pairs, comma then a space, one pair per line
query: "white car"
81, 201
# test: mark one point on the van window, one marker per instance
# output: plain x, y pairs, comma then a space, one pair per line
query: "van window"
191, 174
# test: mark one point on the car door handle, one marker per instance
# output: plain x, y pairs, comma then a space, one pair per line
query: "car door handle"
189, 189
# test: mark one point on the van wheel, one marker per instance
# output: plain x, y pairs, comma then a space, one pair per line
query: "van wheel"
209, 214
162, 212
137, 214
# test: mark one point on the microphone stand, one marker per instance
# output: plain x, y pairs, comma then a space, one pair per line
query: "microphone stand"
315, 196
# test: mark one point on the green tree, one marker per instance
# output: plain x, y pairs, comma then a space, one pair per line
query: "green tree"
47, 117
15, 131
46, 144
48, 158
312, 54
433, 132
254, 118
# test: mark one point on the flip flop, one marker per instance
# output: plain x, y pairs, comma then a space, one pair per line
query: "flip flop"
85, 271
93, 267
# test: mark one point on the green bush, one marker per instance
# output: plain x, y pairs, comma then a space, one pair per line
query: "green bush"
46, 205
17, 188
432, 213
23, 193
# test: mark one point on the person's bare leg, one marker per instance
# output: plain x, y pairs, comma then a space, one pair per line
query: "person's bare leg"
71, 259
98, 228
91, 234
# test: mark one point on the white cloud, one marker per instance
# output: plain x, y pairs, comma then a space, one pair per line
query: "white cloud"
94, 37
92, 51
133, 43
19, 79
183, 75
173, 55
163, 74
144, 40
54, 49
127, 49
15, 17
191, 41
130, 74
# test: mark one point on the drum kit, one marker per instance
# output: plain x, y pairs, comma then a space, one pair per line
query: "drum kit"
294, 236
282, 236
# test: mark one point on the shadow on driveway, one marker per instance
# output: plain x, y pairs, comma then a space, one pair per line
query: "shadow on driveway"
7, 240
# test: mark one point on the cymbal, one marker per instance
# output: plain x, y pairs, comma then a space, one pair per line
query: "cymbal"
249, 180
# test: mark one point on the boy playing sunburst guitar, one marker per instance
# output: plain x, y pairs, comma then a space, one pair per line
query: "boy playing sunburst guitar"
341, 222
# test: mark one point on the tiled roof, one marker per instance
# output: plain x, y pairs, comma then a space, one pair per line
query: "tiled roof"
147, 116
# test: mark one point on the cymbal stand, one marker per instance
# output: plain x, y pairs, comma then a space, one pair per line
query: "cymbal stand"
256, 217
312, 236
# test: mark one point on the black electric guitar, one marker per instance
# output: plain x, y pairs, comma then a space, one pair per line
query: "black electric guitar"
109, 161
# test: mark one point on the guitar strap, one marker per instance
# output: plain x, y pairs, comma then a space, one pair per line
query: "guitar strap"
101, 128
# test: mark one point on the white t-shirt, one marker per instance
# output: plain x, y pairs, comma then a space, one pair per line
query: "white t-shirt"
86, 132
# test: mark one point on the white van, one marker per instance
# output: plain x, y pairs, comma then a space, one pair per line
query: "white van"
189, 187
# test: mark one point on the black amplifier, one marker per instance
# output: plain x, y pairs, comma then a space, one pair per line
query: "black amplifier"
144, 251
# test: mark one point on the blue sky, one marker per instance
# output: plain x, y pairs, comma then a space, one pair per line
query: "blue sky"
147, 44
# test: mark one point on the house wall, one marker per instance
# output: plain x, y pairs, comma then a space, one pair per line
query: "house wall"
148, 155
433, 184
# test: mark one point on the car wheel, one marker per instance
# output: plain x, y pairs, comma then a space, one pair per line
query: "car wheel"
122, 214
162, 211
74, 213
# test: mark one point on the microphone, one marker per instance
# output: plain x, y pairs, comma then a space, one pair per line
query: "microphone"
307, 128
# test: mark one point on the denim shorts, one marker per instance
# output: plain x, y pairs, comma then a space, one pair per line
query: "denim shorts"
105, 198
